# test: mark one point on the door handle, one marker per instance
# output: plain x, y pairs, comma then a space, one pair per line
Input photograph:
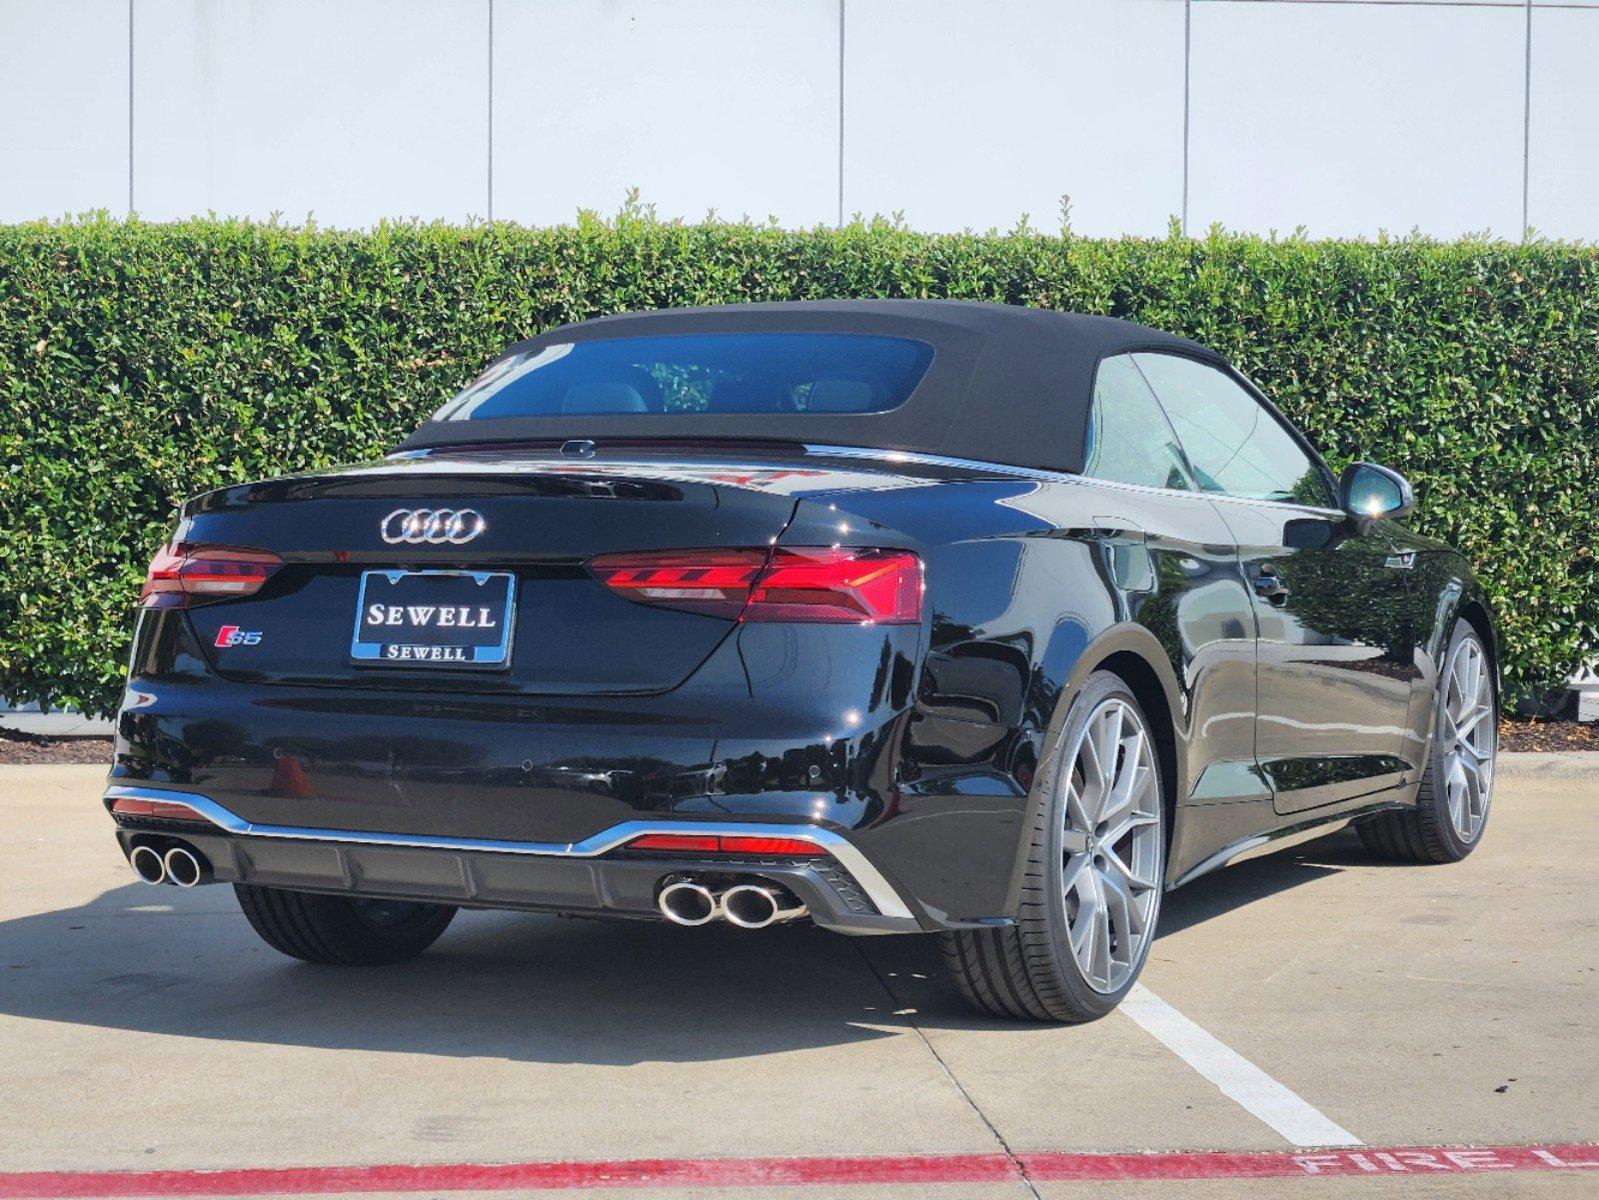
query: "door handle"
1270, 588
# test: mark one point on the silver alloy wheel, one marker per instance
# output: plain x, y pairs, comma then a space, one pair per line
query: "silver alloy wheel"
1111, 845
1470, 738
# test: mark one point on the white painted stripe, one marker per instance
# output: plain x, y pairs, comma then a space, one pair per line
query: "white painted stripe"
1238, 1079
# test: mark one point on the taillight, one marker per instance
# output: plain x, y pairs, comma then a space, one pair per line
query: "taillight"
708, 581
799, 584
182, 575
707, 843
129, 806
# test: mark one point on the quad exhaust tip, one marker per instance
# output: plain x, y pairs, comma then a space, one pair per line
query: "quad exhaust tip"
688, 903
755, 906
183, 866
746, 905
177, 864
148, 864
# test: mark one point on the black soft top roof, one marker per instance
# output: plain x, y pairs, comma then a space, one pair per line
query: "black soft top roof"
1007, 384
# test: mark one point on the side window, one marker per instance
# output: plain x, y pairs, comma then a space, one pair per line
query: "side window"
1129, 438
1236, 447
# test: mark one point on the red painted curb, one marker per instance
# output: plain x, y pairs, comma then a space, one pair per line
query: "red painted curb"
777, 1172
1283, 1164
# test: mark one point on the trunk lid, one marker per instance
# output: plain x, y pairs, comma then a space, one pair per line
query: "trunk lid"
538, 521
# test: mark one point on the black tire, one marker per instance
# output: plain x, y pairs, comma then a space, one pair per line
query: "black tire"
345, 931
1027, 971
1426, 834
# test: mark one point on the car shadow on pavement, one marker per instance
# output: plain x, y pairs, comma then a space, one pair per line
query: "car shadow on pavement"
515, 986
1257, 879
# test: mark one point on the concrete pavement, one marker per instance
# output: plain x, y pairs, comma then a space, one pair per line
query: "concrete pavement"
146, 1028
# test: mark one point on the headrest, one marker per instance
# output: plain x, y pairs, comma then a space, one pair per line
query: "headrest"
603, 397
840, 396
743, 396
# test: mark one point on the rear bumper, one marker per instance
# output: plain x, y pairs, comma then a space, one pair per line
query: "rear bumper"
812, 726
843, 891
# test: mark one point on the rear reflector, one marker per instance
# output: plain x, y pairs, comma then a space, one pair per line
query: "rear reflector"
681, 842
793, 584
182, 575
771, 846
128, 806
703, 843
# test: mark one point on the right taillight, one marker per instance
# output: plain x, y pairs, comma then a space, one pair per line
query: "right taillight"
822, 584
182, 575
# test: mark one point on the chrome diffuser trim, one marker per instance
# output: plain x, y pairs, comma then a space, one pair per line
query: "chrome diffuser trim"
878, 890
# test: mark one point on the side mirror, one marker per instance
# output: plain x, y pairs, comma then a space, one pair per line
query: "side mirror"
1368, 492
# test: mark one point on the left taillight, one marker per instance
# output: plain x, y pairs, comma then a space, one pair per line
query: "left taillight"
806, 584
182, 575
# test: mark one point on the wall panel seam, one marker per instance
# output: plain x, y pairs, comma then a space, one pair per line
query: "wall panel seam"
130, 108
489, 203
1188, 51
841, 4
1526, 134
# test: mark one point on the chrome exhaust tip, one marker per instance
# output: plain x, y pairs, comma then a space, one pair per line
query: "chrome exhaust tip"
688, 903
754, 906
184, 867
147, 864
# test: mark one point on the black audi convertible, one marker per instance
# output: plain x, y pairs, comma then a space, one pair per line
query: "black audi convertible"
891, 616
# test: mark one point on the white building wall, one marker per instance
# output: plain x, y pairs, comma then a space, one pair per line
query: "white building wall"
729, 105
966, 114
1345, 118
344, 109
1349, 118
63, 107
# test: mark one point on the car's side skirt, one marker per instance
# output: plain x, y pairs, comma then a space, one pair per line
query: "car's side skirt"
1313, 826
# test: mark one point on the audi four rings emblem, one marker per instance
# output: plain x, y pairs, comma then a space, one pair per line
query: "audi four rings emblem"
432, 526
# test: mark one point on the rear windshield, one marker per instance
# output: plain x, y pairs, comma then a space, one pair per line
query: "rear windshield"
699, 373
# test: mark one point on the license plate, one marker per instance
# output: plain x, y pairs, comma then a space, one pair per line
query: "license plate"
434, 619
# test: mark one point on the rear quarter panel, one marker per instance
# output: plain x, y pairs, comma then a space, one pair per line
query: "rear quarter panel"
1031, 586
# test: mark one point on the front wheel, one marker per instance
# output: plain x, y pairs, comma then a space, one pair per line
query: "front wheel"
342, 930
1451, 809
1091, 892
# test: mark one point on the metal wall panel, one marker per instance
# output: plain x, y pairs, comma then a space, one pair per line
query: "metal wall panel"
701, 104
1354, 118
1346, 117
1563, 141
63, 107
964, 115
350, 111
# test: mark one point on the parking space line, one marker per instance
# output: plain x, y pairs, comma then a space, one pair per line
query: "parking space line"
1240, 1080
747, 1173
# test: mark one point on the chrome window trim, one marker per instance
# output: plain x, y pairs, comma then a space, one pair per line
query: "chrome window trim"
878, 890
936, 460
974, 464
1200, 494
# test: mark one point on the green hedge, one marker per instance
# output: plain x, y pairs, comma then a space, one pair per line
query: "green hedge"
142, 363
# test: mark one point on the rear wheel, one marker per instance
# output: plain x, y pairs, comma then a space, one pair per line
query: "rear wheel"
1091, 893
342, 930
1451, 809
